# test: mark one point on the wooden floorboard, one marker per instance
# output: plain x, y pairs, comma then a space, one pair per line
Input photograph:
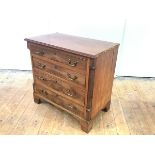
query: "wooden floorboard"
132, 109
121, 122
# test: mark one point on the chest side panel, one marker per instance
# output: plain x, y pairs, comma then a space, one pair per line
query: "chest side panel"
103, 80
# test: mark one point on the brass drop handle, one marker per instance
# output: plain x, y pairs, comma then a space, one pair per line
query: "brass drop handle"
68, 93
71, 107
72, 63
42, 66
41, 78
39, 52
44, 92
71, 78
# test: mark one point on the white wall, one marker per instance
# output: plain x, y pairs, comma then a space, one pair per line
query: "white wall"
130, 22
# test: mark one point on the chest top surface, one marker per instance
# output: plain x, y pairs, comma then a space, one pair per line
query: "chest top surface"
79, 45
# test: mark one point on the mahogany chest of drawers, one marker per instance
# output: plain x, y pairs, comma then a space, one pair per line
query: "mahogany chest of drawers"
74, 74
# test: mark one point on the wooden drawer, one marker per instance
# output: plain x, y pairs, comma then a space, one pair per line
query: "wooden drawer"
70, 91
58, 99
71, 60
59, 71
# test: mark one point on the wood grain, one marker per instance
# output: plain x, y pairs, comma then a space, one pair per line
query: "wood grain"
78, 45
103, 80
92, 63
71, 60
132, 109
66, 89
44, 93
118, 114
65, 74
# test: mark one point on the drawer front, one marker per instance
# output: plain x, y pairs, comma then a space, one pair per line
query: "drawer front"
70, 91
59, 71
61, 101
72, 60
